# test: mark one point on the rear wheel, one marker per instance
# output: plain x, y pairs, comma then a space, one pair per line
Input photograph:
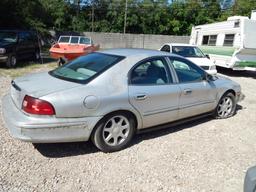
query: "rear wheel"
226, 106
114, 132
11, 61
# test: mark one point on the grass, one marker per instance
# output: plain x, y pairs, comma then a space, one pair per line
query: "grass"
25, 68
247, 64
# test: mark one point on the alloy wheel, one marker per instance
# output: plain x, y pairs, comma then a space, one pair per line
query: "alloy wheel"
116, 130
225, 107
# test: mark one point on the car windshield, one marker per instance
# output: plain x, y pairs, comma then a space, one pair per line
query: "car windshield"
186, 51
64, 39
85, 68
9, 37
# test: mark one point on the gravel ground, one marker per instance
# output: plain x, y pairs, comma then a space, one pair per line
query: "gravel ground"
207, 155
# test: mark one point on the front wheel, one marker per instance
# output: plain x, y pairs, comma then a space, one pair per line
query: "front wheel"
226, 106
114, 132
11, 61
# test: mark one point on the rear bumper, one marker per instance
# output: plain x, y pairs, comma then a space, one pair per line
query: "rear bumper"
45, 129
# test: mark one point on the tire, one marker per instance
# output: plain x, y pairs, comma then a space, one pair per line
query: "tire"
11, 61
226, 106
61, 61
114, 132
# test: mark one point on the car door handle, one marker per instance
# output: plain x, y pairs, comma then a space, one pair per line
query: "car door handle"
141, 97
187, 91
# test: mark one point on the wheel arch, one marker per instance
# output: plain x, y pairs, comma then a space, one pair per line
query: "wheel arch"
229, 91
128, 112
222, 93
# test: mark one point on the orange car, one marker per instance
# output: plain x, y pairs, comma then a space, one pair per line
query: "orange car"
70, 47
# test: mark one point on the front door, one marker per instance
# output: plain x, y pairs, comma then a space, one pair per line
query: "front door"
197, 95
153, 93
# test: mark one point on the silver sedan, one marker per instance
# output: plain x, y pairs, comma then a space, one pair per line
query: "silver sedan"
108, 96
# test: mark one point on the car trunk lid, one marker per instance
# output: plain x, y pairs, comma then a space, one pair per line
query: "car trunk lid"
37, 85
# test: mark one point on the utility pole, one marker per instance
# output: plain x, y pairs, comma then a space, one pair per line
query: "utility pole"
92, 18
77, 7
125, 15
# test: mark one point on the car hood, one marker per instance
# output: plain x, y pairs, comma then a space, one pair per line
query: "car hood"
201, 61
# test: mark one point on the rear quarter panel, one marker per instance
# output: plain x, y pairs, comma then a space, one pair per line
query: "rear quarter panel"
109, 92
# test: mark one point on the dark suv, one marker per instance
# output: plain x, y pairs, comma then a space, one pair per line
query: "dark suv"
18, 45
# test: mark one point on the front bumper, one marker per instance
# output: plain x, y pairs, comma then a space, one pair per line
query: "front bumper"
240, 97
3, 58
45, 129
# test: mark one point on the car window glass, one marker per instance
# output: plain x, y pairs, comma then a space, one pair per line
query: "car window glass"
74, 40
23, 37
187, 51
85, 40
187, 71
64, 39
165, 48
86, 67
150, 72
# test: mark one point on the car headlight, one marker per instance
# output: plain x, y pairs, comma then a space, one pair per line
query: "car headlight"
213, 67
2, 50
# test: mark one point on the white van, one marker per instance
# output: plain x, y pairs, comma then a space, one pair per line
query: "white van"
230, 44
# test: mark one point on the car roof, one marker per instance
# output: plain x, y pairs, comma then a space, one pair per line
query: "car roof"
16, 31
132, 52
180, 44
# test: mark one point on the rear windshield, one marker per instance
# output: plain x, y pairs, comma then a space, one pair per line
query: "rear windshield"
86, 68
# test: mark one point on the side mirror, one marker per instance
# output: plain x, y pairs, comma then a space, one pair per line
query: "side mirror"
207, 56
209, 77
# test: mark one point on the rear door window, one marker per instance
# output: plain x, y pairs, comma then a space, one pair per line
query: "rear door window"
150, 72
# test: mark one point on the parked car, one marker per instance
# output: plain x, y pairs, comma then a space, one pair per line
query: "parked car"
70, 47
193, 53
110, 95
18, 45
250, 180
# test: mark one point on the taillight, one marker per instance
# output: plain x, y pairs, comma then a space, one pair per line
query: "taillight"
37, 106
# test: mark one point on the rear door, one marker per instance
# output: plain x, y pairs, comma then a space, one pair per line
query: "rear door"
153, 93
197, 95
